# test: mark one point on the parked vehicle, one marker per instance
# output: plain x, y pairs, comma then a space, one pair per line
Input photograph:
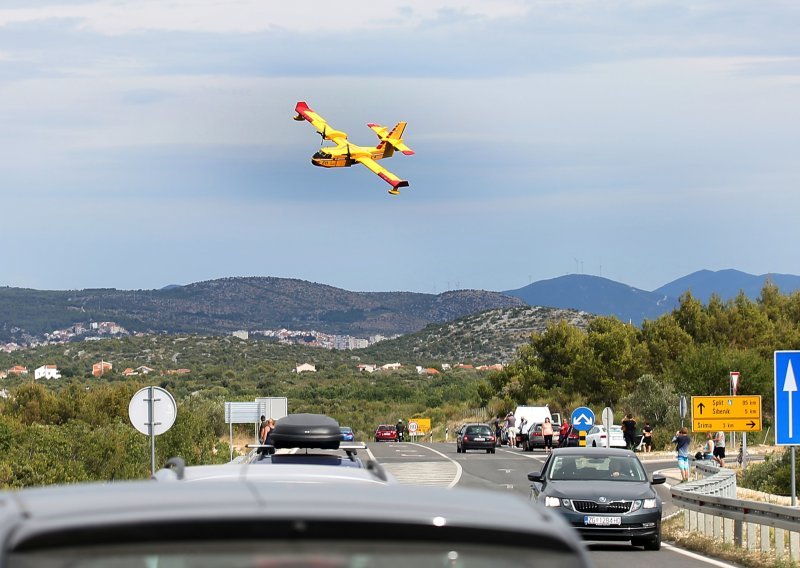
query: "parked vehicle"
533, 415
386, 433
535, 439
604, 493
475, 437
597, 437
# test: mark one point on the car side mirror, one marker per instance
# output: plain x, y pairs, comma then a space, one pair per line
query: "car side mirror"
535, 476
658, 478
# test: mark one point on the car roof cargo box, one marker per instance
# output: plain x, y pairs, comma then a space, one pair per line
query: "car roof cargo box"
306, 431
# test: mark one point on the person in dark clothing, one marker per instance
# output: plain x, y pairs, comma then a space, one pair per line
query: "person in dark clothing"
647, 437
629, 431
400, 428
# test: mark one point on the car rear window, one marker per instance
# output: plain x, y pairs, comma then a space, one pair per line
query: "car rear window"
479, 430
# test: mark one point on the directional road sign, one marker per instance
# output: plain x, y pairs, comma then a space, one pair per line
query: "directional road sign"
582, 418
787, 412
731, 413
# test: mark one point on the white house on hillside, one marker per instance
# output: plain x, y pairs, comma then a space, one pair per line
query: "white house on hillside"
46, 372
305, 367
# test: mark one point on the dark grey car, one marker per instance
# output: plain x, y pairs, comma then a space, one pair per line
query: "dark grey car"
604, 493
475, 436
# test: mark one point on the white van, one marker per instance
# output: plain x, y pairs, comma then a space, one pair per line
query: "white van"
534, 415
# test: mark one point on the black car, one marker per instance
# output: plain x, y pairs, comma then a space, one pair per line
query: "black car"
604, 493
475, 437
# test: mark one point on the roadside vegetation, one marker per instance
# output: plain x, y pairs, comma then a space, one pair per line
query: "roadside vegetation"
674, 532
77, 428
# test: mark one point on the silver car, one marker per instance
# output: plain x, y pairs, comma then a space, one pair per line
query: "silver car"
248, 523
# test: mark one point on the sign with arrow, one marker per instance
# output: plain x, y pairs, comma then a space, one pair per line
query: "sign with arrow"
787, 419
582, 418
728, 413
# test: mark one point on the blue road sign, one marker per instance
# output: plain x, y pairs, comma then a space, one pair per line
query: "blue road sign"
582, 418
787, 401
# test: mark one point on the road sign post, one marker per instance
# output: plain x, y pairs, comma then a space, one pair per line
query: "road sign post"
608, 420
730, 413
787, 431
682, 408
787, 427
734, 381
152, 412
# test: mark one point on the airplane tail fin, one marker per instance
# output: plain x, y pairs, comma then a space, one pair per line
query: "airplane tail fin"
391, 141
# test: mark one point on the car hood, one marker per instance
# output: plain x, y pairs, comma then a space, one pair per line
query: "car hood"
593, 490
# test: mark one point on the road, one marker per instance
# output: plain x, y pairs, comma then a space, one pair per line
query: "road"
438, 464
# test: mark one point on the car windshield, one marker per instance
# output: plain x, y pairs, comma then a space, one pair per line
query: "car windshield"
596, 468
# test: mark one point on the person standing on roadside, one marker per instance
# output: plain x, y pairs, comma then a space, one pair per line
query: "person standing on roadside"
262, 429
547, 434
682, 441
511, 429
563, 434
719, 448
647, 437
629, 431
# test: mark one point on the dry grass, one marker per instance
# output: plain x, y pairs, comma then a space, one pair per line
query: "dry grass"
673, 531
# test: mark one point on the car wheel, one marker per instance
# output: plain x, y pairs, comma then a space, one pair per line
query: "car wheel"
458, 449
488, 451
654, 544
492, 450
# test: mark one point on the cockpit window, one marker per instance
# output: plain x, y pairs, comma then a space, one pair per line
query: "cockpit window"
322, 155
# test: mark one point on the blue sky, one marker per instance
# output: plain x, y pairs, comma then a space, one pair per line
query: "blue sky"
146, 143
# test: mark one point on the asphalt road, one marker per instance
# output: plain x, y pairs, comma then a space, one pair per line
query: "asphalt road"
506, 470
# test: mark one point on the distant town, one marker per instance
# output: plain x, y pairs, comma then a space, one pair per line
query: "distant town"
93, 331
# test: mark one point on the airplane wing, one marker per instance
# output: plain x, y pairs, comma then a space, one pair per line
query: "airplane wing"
322, 126
383, 173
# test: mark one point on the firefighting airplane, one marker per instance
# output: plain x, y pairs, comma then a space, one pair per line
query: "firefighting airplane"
345, 154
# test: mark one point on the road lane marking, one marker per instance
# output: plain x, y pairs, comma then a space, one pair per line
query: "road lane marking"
434, 474
705, 559
459, 470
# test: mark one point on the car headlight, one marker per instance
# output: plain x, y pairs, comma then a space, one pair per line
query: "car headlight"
636, 505
552, 502
650, 503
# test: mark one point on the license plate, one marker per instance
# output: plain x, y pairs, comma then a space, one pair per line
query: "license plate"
602, 521
480, 439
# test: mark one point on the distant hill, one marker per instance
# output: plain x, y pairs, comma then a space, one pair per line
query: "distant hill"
596, 295
487, 337
727, 284
228, 304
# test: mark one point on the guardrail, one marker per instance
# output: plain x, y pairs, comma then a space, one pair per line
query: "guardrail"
711, 508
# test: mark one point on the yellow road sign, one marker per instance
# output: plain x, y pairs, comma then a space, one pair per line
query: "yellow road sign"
732, 413
423, 425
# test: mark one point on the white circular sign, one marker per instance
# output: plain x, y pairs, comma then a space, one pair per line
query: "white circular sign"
164, 410
412, 426
608, 416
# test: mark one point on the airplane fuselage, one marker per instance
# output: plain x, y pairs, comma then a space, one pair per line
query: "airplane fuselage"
343, 156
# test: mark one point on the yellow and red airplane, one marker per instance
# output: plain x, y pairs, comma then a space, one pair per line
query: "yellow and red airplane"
345, 154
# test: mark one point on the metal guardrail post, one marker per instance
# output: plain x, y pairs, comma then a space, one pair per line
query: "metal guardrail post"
737, 533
